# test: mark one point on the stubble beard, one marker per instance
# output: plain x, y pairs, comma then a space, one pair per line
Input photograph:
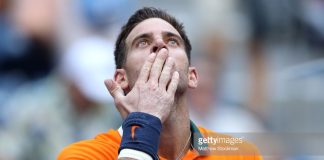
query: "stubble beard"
182, 85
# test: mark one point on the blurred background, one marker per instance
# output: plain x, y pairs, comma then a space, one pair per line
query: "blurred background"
260, 66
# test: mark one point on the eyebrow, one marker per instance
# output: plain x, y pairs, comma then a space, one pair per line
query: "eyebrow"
149, 35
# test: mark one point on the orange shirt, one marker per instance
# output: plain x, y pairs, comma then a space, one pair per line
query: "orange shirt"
105, 147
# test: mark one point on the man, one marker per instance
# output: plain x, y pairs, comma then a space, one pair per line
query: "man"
152, 76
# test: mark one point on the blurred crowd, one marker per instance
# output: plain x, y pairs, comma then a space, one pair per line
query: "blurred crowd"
260, 68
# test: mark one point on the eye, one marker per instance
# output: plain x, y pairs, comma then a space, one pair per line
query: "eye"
173, 42
143, 43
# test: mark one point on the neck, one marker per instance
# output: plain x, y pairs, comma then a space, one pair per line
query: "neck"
175, 132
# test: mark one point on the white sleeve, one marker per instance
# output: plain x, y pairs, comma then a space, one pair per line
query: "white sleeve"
131, 153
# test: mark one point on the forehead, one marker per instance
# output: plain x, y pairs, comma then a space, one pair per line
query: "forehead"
151, 25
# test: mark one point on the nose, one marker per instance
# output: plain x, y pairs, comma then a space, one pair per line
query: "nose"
158, 45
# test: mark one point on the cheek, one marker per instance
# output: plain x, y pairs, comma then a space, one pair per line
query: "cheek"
133, 65
181, 61
135, 60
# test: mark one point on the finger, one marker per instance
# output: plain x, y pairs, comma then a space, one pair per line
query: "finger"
146, 68
114, 89
166, 73
174, 83
158, 65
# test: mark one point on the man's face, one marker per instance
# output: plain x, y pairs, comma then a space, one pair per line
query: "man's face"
150, 36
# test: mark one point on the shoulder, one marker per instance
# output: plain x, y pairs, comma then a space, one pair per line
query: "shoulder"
223, 145
103, 146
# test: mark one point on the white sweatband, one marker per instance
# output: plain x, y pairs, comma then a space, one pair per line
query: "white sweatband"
131, 153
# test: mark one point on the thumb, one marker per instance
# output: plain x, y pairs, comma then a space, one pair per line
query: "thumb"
114, 89
117, 93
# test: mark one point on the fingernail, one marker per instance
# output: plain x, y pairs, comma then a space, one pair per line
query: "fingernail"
176, 74
165, 50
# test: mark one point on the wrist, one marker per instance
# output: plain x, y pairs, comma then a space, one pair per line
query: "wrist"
141, 131
149, 112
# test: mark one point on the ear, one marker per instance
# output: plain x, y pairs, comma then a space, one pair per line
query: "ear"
192, 78
120, 78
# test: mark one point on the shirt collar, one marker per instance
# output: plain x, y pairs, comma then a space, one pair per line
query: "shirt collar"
195, 135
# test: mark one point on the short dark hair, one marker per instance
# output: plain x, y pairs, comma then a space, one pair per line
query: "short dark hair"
139, 16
